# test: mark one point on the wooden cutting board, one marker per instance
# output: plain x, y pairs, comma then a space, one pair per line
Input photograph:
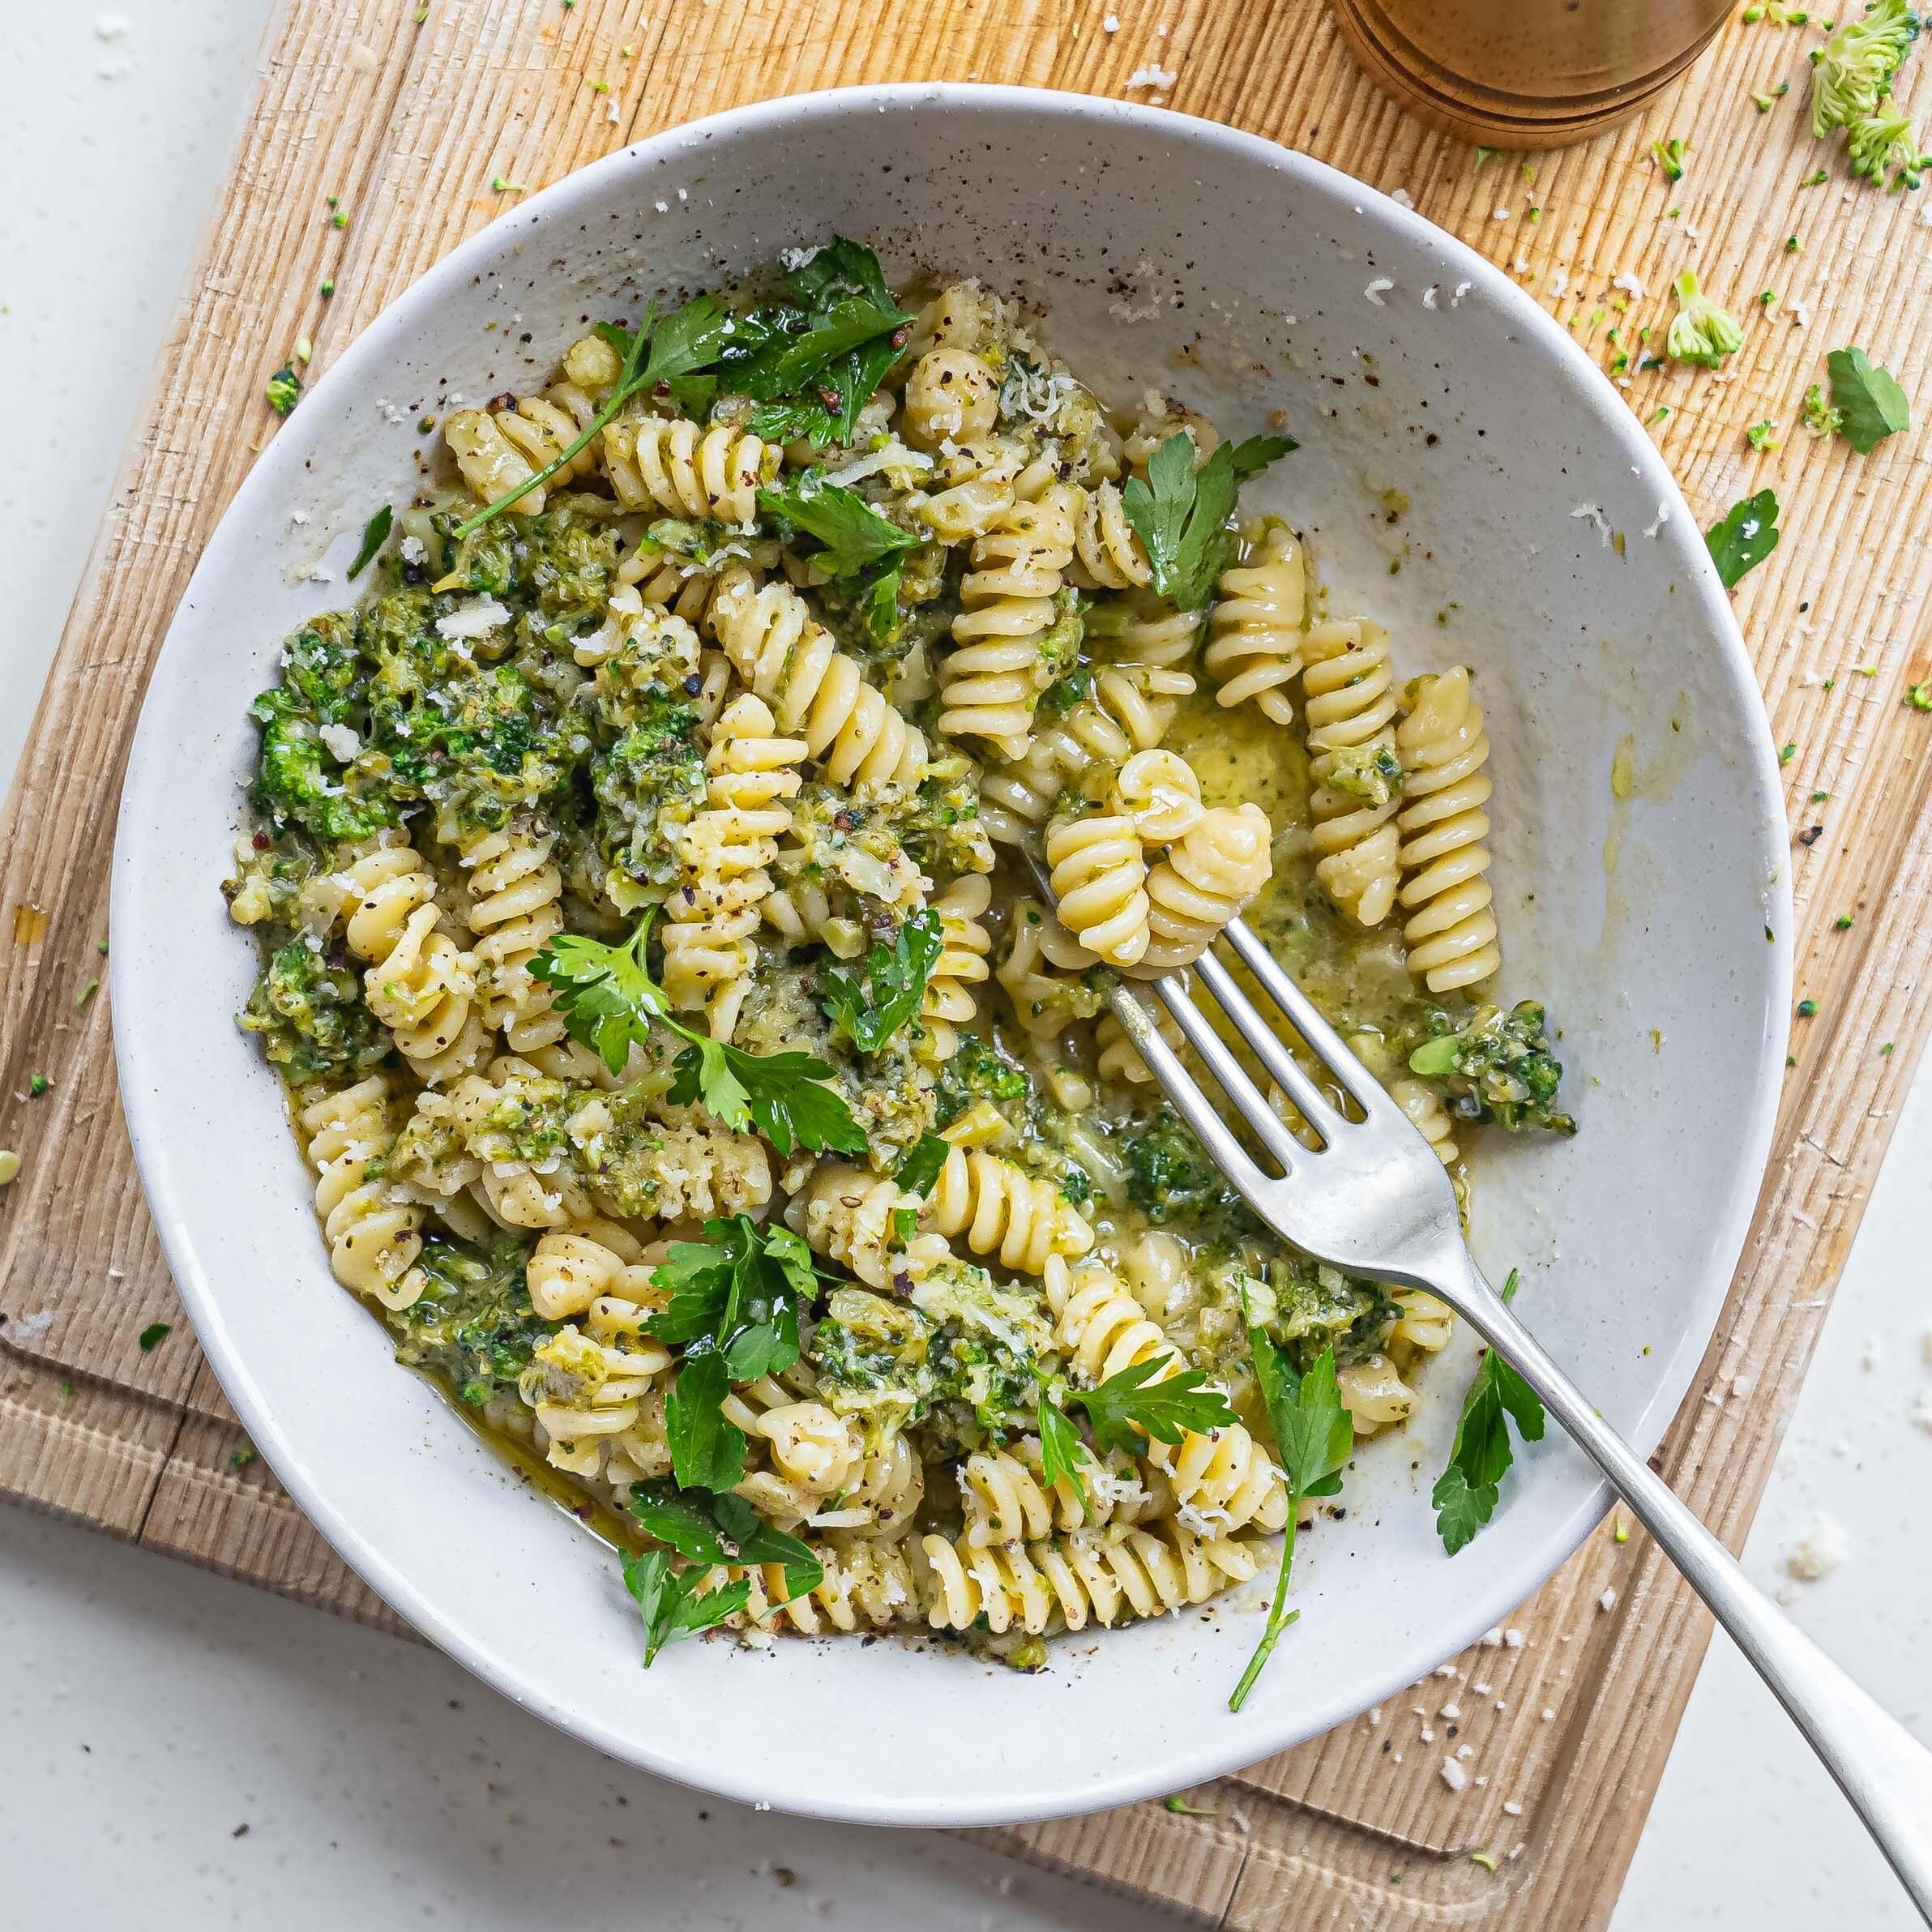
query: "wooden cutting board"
406, 115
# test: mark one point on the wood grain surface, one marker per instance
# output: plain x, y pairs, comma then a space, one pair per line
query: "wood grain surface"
408, 124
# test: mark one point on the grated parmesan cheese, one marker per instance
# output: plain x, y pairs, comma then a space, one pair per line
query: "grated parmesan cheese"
1153, 77
1595, 513
1375, 290
1453, 1775
476, 618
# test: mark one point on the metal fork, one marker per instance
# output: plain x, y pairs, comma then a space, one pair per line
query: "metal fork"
1375, 1199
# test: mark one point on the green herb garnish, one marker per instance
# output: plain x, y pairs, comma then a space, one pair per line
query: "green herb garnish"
1313, 1436
920, 1168
704, 1529
854, 534
1466, 1493
663, 356
608, 1000
1868, 403
1180, 513
152, 1334
1747, 534
375, 533
673, 1603
869, 1007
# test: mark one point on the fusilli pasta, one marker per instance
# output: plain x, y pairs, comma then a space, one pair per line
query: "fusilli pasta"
1451, 930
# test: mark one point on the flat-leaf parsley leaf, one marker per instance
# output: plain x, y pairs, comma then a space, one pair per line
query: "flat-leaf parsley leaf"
1869, 402
1466, 1493
1745, 536
870, 1006
1314, 1437
608, 1000
1180, 513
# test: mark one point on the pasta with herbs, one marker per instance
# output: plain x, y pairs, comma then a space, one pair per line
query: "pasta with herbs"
698, 1079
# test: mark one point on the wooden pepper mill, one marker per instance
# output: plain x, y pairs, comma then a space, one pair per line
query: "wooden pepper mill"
1521, 73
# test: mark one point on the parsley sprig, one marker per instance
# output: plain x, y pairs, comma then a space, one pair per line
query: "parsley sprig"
919, 1168
1314, 1437
814, 366
665, 357
708, 1530
864, 552
733, 1309
1143, 1403
673, 1603
869, 1006
1180, 513
1466, 1493
608, 1000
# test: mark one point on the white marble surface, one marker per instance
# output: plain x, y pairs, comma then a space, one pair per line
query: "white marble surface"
183, 1751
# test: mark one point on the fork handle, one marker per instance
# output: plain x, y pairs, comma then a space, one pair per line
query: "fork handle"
1884, 1771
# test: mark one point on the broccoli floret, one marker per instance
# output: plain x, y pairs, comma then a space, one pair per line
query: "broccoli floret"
979, 1070
1499, 1069
299, 781
561, 562
1875, 142
939, 826
284, 390
647, 782
473, 1324
1700, 331
1059, 644
1169, 1177
311, 1018
1853, 69
1075, 687
1307, 1306
1821, 418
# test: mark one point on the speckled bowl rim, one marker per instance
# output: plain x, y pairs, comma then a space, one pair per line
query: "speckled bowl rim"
170, 1181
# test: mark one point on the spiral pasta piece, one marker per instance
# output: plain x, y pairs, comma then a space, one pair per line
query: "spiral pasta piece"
1108, 547
1007, 1497
709, 953
1348, 706
500, 450
1001, 1209
869, 1583
514, 913
1039, 973
1160, 793
1099, 877
1098, 1575
1416, 1097
812, 1453
950, 396
1120, 1058
948, 1003
1255, 636
1099, 1325
992, 679
852, 1217
790, 660
583, 1389
665, 463
1375, 1394
1017, 799
1204, 881
373, 1239
571, 1268
419, 983
1451, 930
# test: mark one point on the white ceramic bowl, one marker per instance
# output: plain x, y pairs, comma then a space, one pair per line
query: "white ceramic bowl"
1245, 279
